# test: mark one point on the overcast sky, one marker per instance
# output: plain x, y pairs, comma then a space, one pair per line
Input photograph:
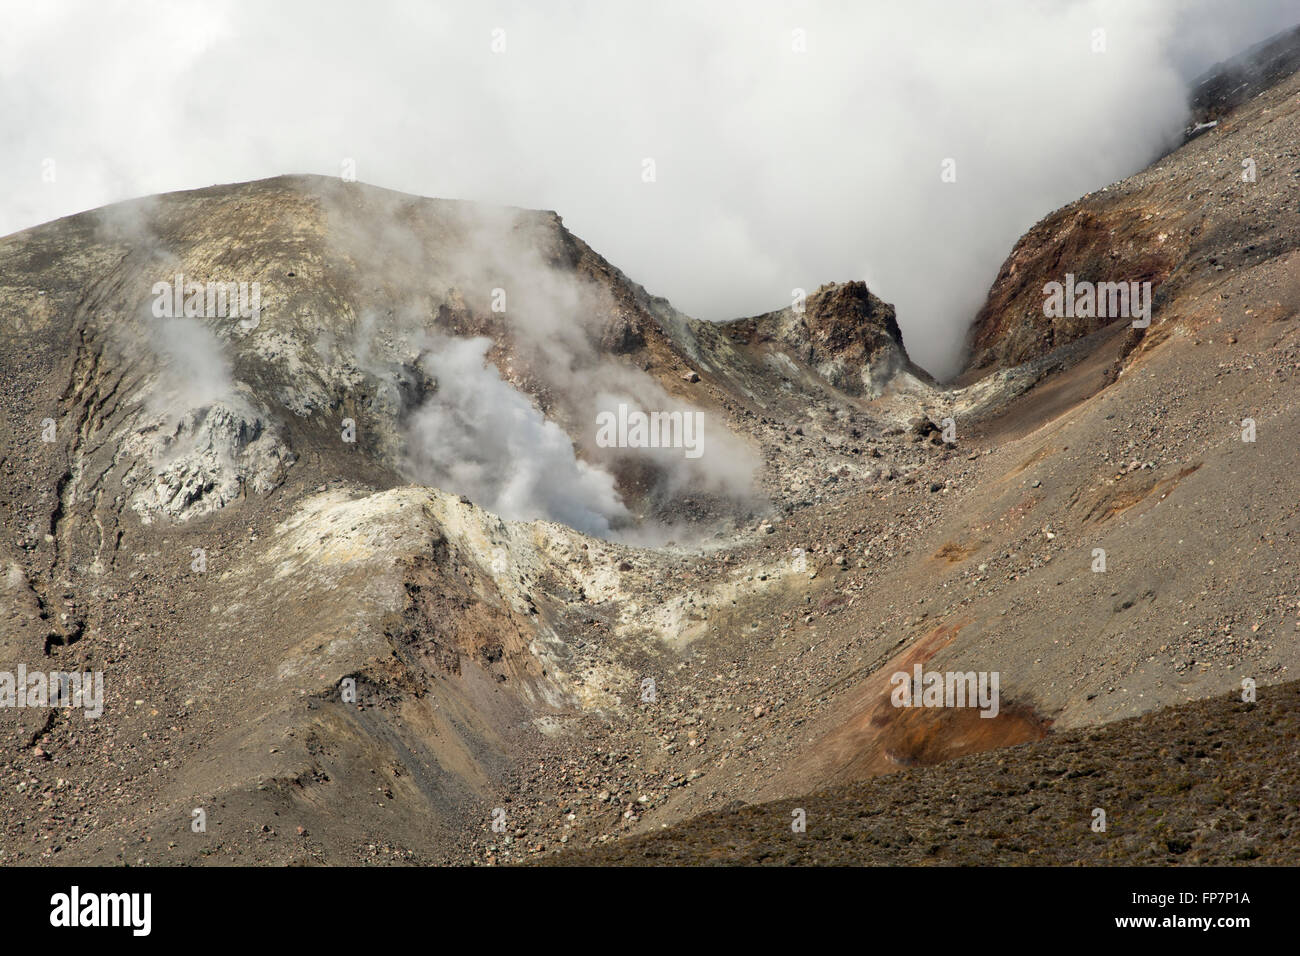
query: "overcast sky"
782, 159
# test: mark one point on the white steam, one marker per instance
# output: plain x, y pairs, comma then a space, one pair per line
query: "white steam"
479, 436
195, 366
512, 419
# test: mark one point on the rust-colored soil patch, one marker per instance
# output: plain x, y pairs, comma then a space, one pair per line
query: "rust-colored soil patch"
877, 737
953, 553
1105, 502
1029, 462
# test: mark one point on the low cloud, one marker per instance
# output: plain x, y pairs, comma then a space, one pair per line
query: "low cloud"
781, 160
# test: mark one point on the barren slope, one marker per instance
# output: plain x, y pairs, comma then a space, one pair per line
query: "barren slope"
503, 664
1208, 784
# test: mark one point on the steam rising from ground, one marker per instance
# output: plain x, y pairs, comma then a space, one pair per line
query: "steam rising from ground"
195, 367
479, 435
477, 358
508, 413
